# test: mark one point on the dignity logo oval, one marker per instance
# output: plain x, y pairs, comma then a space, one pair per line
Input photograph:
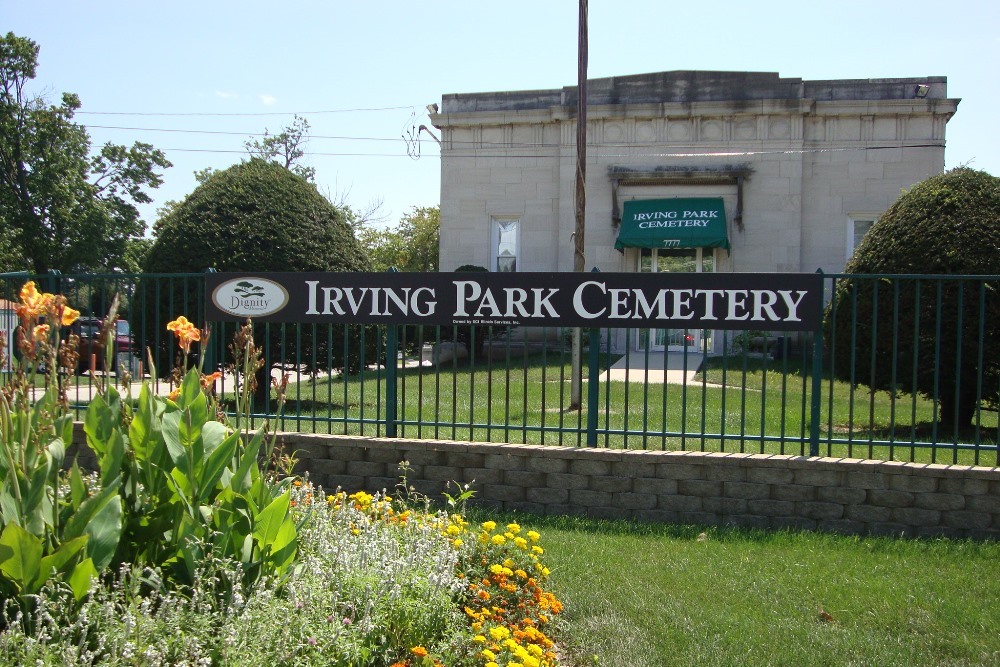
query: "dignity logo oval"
250, 297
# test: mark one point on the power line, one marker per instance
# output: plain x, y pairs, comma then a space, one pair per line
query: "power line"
263, 113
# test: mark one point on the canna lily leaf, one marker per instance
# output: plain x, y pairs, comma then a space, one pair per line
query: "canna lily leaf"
79, 580
20, 555
270, 519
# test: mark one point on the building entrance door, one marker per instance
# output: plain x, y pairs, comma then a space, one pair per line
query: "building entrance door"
679, 260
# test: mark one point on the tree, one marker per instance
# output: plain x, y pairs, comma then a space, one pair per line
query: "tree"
60, 207
259, 216
411, 246
286, 148
947, 224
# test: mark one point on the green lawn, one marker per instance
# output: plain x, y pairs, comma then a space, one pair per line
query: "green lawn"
739, 407
658, 596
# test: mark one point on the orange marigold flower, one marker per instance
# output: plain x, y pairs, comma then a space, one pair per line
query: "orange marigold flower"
418, 651
175, 394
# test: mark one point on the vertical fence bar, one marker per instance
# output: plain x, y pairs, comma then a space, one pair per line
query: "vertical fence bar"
817, 384
391, 351
593, 384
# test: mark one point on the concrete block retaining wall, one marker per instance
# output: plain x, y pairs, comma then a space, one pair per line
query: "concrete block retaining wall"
760, 491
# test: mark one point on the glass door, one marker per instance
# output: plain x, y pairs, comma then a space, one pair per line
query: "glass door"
679, 260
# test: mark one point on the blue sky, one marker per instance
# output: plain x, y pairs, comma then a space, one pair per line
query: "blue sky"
197, 79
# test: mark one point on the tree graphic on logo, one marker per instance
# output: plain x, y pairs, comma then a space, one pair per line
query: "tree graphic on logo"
248, 290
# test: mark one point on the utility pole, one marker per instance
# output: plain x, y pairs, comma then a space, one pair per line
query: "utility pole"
579, 252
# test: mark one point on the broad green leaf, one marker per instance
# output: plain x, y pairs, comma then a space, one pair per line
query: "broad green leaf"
217, 460
77, 489
269, 521
98, 424
79, 580
104, 530
20, 555
77, 524
242, 478
111, 460
179, 450
57, 561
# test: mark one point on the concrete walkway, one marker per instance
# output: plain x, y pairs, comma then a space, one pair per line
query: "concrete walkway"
668, 367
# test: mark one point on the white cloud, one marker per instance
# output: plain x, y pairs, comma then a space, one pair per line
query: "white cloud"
226, 95
267, 100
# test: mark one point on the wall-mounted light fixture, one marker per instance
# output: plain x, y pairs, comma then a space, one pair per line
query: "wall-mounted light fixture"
921, 90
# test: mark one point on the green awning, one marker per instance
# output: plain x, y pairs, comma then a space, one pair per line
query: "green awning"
674, 223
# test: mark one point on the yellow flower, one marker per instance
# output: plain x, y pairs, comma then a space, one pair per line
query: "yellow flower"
488, 654
514, 528
418, 651
488, 526
480, 639
40, 333
537, 550
185, 331
498, 540
69, 316
533, 536
499, 633
33, 302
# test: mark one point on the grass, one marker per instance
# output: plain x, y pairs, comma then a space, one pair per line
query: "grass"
660, 596
741, 406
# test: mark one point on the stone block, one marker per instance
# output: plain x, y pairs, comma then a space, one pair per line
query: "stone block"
422, 456
610, 484
523, 478
427, 487
865, 480
608, 513
867, 513
567, 481
940, 501
366, 469
634, 501
818, 477
547, 496
793, 492
342, 452
655, 516
505, 462
913, 483
503, 493
724, 505
480, 476
465, 459
989, 503
914, 516
725, 473
699, 487
820, 511
747, 490
967, 520
546, 464
631, 468
841, 494
588, 498
384, 455
770, 475
698, 518
884, 498
964, 486
587, 467
771, 507
654, 486
889, 529
348, 483
680, 471
322, 466
679, 503
442, 473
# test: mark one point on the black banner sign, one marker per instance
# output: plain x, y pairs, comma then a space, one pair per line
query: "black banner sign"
767, 301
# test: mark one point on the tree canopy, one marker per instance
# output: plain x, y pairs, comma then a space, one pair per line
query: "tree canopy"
61, 207
412, 245
947, 224
258, 216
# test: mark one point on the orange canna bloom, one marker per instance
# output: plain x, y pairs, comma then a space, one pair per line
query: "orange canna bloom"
40, 333
69, 315
33, 303
185, 331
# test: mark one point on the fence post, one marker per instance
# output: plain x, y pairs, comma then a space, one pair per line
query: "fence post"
391, 366
817, 384
210, 349
593, 385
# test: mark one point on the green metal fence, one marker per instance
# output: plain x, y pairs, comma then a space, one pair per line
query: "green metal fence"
929, 345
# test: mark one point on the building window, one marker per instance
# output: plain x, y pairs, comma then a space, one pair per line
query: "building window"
856, 230
505, 244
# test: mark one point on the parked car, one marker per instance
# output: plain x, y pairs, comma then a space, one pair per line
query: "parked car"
89, 330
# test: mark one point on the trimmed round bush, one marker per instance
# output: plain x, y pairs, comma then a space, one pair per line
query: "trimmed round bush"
947, 224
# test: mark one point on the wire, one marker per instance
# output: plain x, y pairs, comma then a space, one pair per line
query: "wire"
263, 113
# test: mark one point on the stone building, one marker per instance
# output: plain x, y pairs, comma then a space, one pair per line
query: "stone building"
686, 171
